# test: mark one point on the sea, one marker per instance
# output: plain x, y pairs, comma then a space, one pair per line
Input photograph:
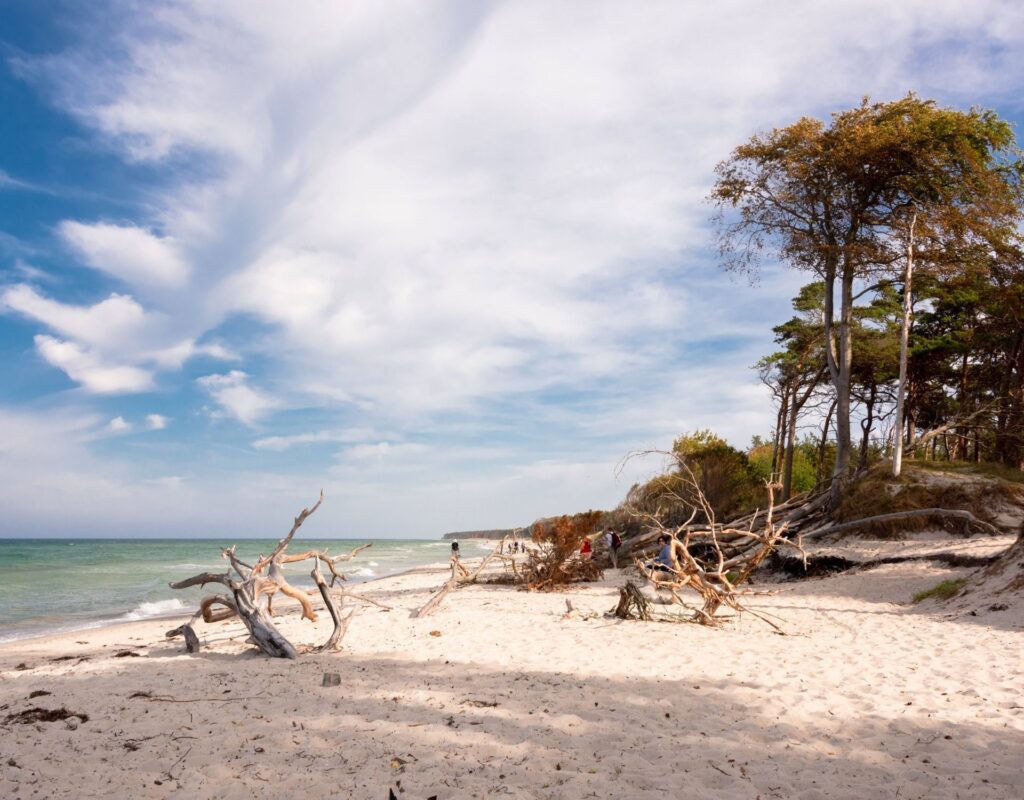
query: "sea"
56, 585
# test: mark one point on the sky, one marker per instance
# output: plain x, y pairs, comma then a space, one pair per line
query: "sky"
448, 261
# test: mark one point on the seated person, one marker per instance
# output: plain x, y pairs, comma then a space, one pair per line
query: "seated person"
663, 561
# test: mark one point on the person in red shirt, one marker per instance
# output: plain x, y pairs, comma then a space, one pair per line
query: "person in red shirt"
586, 550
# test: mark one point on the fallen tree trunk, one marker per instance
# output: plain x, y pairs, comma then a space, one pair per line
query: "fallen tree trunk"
899, 516
696, 558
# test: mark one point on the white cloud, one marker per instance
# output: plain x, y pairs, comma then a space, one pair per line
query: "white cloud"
54, 485
127, 252
114, 333
436, 242
88, 369
26, 271
156, 422
280, 443
379, 451
119, 425
236, 398
107, 323
8, 181
168, 481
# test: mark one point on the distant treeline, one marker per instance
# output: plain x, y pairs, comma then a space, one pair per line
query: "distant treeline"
495, 534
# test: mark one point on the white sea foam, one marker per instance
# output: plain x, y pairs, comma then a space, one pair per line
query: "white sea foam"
157, 608
364, 572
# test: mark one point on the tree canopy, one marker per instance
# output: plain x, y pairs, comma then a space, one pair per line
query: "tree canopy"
838, 200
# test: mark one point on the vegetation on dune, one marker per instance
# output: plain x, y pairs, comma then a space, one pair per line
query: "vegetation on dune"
942, 591
878, 492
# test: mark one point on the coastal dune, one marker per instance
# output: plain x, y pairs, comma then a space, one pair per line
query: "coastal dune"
500, 693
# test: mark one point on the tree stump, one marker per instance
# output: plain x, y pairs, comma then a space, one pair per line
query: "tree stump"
632, 603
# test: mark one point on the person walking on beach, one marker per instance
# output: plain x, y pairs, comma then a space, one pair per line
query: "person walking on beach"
456, 561
613, 543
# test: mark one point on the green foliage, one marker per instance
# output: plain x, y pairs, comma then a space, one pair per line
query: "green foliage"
805, 454
942, 591
723, 473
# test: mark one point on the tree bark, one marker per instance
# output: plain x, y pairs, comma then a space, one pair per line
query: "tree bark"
780, 431
866, 425
897, 454
819, 471
842, 382
787, 470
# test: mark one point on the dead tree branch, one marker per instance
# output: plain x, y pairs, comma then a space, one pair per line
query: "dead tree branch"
460, 576
266, 577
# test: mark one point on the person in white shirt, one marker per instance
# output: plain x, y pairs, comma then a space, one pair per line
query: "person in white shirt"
613, 543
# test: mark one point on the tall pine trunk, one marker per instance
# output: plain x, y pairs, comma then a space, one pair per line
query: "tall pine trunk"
901, 391
843, 385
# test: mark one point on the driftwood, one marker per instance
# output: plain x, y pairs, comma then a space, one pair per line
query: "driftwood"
713, 560
460, 576
734, 536
556, 561
363, 598
632, 603
738, 552
247, 583
333, 608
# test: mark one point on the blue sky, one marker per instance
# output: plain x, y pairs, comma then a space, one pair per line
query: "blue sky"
449, 264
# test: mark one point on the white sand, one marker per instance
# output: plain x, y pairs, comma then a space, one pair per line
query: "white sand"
870, 697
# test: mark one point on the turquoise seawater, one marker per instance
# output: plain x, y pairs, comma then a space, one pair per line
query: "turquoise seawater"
49, 585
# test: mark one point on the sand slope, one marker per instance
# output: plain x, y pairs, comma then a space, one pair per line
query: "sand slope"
870, 697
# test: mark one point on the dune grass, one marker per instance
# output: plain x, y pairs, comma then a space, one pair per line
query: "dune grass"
942, 591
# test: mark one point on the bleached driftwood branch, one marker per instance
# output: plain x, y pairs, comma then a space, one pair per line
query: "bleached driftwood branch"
247, 583
460, 576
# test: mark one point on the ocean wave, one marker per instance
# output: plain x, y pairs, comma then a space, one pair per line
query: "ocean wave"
157, 608
373, 564
143, 611
364, 572
195, 566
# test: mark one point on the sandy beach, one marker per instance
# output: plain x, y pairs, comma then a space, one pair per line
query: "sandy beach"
499, 694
